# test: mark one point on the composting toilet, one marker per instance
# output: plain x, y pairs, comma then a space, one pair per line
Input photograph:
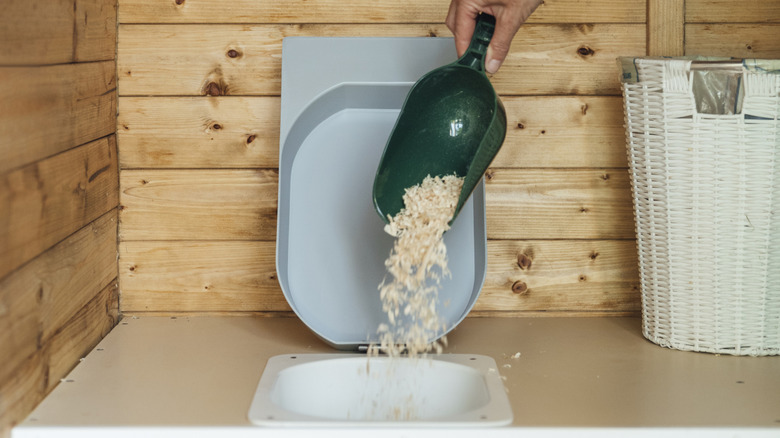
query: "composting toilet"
339, 101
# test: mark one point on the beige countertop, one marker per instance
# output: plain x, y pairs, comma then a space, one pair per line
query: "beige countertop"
198, 375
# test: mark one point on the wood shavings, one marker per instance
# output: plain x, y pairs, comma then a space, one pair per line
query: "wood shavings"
416, 265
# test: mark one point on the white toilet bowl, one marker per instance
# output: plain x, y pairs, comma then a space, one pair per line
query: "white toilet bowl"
337, 390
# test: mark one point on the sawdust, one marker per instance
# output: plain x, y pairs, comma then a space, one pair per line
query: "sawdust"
416, 266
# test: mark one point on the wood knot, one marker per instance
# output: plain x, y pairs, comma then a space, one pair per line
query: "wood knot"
583, 278
605, 177
179, 2
233, 53
213, 89
490, 174
132, 268
584, 109
593, 255
520, 126
524, 262
251, 138
585, 51
216, 126
432, 34
519, 287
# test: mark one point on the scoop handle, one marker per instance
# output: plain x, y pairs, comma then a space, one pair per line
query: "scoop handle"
476, 53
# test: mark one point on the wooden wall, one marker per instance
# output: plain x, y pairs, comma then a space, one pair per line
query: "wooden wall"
188, 170
199, 86
58, 193
198, 126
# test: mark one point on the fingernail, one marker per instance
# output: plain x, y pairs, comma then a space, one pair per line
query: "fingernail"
493, 66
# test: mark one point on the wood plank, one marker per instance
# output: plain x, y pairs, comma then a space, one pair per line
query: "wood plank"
38, 299
359, 11
45, 202
36, 33
198, 204
563, 131
79, 335
213, 277
179, 132
241, 204
665, 27
555, 276
559, 204
546, 59
40, 372
95, 27
58, 31
47, 110
197, 132
568, 59
737, 40
21, 393
199, 276
726, 11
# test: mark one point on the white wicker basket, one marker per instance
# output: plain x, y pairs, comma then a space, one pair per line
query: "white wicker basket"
707, 208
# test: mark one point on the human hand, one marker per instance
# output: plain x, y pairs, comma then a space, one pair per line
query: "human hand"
510, 15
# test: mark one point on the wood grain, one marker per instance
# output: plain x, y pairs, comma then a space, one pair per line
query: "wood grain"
181, 132
40, 372
95, 27
169, 60
79, 335
665, 27
359, 11
736, 40
48, 39
21, 392
37, 300
47, 110
241, 204
559, 204
563, 131
727, 11
57, 31
200, 276
198, 204
45, 202
568, 59
555, 276
544, 275
198, 132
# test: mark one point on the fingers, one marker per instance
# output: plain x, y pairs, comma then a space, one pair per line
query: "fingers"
510, 15
461, 20
506, 27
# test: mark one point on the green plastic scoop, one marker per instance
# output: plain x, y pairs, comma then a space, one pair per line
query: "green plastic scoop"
452, 122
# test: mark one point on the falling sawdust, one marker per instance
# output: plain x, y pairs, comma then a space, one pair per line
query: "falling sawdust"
416, 265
